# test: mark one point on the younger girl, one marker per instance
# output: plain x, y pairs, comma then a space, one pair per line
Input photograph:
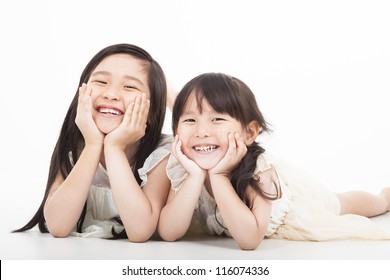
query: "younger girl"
239, 190
107, 172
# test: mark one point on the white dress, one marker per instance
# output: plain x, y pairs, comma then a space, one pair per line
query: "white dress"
305, 211
101, 209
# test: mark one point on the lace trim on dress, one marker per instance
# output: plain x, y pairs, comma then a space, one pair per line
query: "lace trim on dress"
176, 173
155, 158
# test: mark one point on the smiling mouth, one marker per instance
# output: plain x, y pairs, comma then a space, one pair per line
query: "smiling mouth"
208, 148
109, 111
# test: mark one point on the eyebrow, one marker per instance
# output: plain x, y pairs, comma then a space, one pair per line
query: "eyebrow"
128, 77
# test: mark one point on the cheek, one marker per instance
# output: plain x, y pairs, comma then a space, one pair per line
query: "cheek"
95, 94
222, 132
230, 129
184, 137
128, 99
180, 131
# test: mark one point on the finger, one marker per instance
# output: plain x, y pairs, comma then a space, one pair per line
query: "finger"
128, 114
132, 116
87, 98
174, 143
241, 147
82, 88
232, 143
137, 107
85, 92
88, 90
176, 139
176, 146
84, 100
82, 91
144, 110
239, 140
178, 153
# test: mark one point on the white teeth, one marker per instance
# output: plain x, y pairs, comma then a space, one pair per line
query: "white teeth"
205, 148
109, 111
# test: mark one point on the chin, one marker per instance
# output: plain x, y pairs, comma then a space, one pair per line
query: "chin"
206, 165
106, 129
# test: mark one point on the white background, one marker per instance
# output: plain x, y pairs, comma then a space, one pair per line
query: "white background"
320, 71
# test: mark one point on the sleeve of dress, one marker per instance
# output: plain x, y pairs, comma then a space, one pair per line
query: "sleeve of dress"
162, 151
176, 173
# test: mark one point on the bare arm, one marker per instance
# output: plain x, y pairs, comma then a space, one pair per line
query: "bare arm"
68, 195
247, 226
138, 208
176, 215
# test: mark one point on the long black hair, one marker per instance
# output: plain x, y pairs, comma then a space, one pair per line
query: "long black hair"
71, 139
231, 96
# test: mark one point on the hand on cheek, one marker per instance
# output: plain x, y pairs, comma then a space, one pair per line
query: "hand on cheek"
133, 125
84, 119
188, 164
236, 151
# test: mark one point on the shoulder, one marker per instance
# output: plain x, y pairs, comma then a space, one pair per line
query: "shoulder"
159, 155
165, 142
267, 176
176, 173
162, 150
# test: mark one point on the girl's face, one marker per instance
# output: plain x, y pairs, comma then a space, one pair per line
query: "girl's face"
115, 83
204, 135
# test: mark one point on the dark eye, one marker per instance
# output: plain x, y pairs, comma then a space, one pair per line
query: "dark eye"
189, 120
130, 87
100, 82
218, 119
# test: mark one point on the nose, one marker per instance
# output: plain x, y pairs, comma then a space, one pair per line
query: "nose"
111, 94
202, 131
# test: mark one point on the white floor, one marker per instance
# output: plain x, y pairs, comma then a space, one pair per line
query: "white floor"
34, 245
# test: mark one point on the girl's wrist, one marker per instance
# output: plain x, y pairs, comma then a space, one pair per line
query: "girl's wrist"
94, 145
219, 177
114, 147
219, 174
201, 177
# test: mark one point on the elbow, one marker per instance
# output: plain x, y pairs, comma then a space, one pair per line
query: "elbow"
249, 244
169, 235
58, 229
137, 239
140, 235
58, 232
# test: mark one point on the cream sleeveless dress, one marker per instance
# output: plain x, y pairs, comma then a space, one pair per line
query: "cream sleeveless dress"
101, 209
305, 211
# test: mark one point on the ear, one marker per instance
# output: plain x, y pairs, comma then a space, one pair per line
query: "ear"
252, 131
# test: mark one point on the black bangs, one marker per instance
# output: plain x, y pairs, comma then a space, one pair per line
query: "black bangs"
225, 94
222, 93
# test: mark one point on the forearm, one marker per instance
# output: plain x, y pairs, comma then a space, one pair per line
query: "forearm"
176, 216
66, 201
238, 218
136, 212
